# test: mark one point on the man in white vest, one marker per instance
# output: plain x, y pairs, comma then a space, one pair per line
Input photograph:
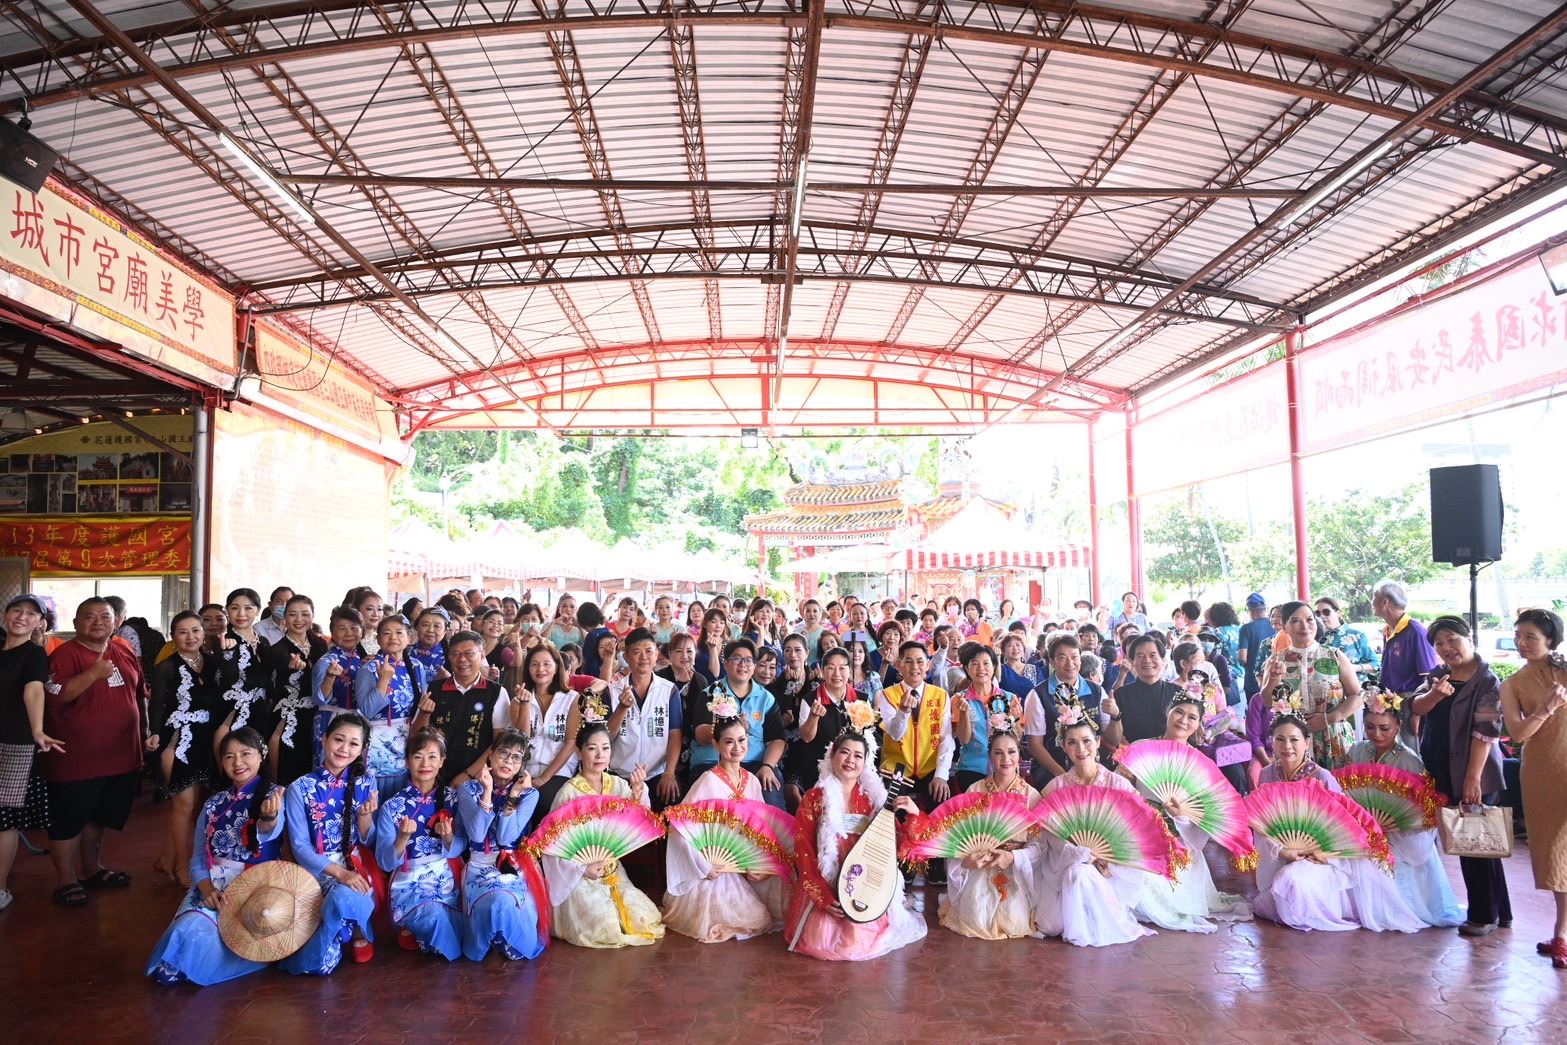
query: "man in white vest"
645, 726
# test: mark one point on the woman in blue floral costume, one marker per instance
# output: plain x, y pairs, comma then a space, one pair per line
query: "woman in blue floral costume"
505, 900
420, 842
238, 827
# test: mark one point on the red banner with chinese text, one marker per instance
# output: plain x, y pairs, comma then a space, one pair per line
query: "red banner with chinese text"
1497, 339
98, 545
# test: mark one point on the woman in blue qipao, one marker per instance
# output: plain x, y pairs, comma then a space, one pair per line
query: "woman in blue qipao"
504, 895
387, 691
430, 649
418, 840
236, 828
330, 814
332, 676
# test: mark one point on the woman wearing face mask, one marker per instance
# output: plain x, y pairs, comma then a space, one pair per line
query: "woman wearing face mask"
832, 817
418, 838
1195, 903
701, 902
238, 827
1310, 890
1417, 866
293, 702
595, 904
504, 897
330, 817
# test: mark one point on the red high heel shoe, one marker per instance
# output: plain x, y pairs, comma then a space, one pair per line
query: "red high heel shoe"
1559, 953
1544, 947
406, 941
361, 951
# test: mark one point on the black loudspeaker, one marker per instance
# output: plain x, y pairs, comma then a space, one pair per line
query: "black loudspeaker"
1466, 514
23, 158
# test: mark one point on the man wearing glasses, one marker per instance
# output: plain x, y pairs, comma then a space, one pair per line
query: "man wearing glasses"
763, 723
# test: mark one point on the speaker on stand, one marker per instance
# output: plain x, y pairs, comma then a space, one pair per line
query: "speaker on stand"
1466, 522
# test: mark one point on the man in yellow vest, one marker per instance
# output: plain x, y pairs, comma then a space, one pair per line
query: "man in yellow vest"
916, 725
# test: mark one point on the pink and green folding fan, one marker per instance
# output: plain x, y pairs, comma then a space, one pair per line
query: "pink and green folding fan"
1308, 818
1118, 827
594, 828
1397, 799
733, 836
967, 824
1170, 769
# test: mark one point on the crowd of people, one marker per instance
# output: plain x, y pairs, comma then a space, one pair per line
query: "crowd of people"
379, 762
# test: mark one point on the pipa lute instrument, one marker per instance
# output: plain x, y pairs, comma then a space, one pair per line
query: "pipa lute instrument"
868, 879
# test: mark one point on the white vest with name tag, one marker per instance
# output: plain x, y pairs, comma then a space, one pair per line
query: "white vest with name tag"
643, 739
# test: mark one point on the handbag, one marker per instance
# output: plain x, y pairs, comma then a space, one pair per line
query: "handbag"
1476, 831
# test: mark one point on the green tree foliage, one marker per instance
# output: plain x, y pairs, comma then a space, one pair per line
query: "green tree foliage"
1357, 539
1354, 540
1185, 552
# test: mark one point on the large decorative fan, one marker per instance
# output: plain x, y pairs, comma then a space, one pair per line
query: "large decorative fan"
1308, 818
968, 824
1118, 827
779, 824
1170, 769
1397, 799
733, 836
594, 828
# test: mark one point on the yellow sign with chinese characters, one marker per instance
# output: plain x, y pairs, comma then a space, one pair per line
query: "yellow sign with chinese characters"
69, 259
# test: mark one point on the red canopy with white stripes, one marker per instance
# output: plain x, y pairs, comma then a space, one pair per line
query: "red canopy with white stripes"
980, 537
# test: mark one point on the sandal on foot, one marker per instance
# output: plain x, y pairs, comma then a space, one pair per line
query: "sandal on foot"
71, 895
1544, 947
104, 878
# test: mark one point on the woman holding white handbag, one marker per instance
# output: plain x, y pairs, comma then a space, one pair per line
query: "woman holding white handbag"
1461, 708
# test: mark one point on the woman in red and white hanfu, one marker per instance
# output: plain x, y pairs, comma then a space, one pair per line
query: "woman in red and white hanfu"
831, 819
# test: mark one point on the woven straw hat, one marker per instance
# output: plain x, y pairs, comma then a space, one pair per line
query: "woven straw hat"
270, 911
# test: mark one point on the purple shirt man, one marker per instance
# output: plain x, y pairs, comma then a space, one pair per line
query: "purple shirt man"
1406, 654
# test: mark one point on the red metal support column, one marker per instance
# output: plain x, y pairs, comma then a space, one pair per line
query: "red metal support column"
1093, 521
1297, 474
1134, 520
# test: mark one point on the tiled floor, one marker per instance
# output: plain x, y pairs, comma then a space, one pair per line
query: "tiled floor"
77, 974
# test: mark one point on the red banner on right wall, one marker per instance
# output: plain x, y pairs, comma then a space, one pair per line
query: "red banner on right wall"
1499, 338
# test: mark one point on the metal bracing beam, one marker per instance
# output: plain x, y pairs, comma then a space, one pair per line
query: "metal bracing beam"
905, 85
1137, 118
871, 190
1376, 160
579, 100
688, 98
1241, 163
297, 30
443, 95
794, 153
886, 261
745, 236
858, 358
335, 145
197, 148
1008, 108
